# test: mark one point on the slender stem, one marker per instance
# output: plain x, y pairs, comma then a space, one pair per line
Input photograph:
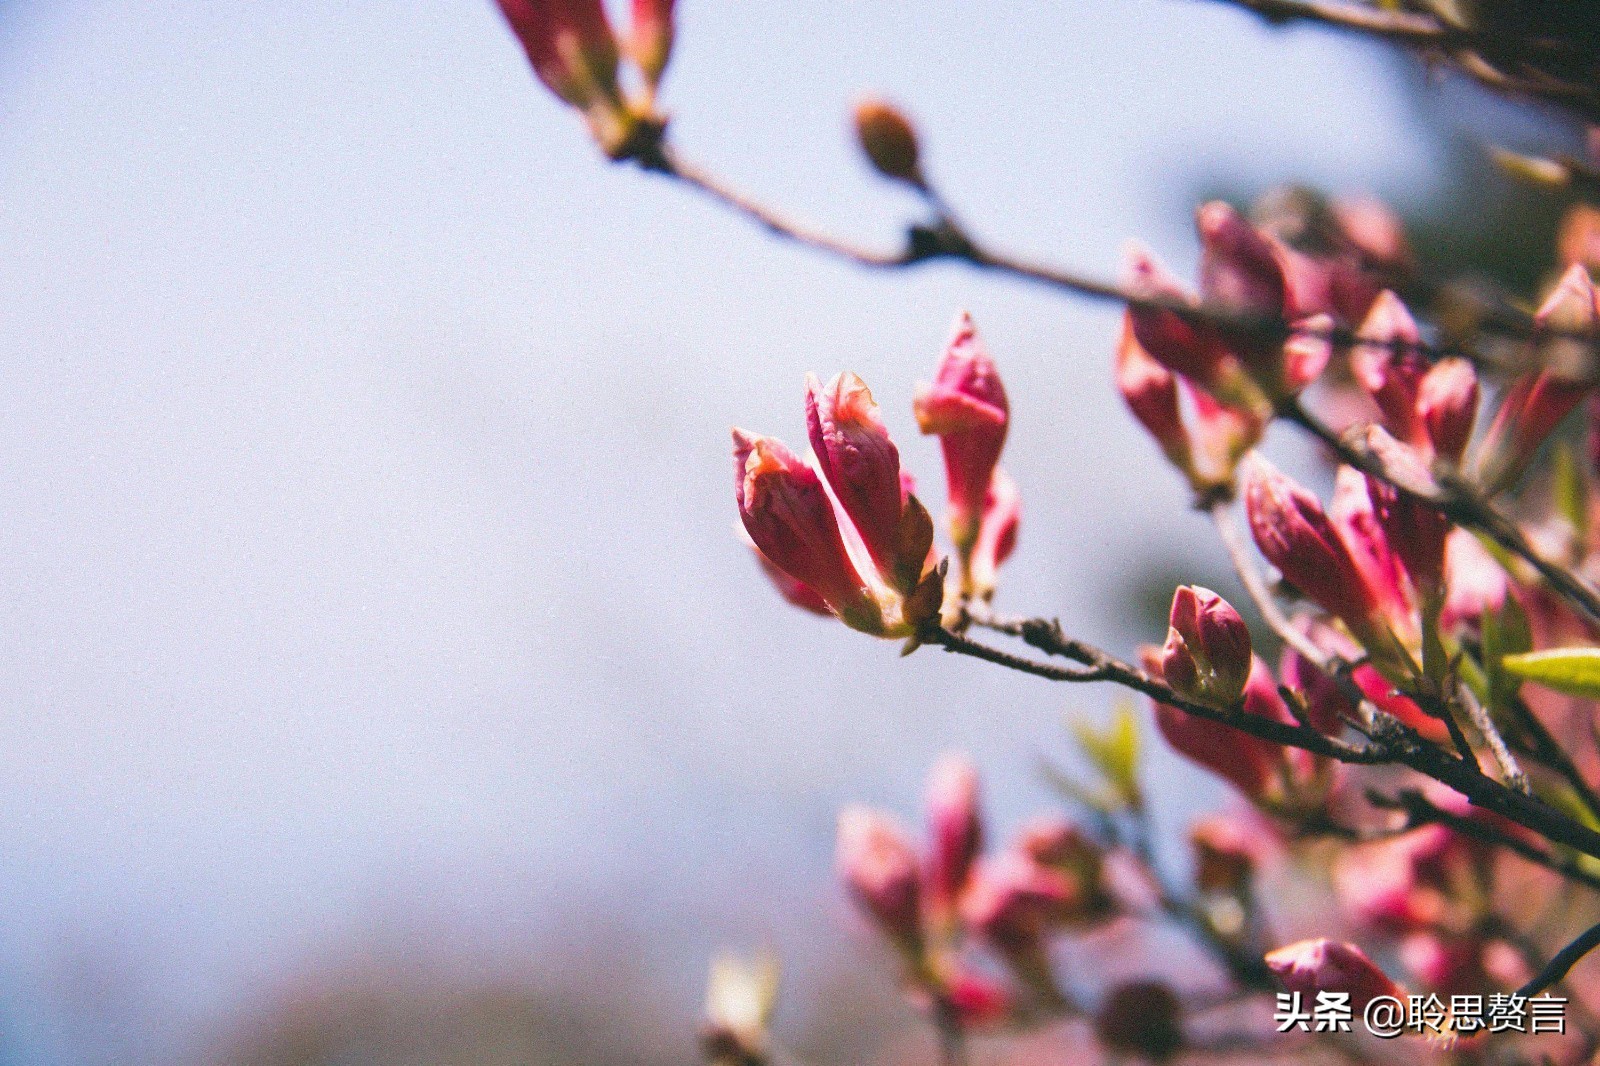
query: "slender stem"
947, 239
1466, 46
1491, 736
1392, 742
1234, 543
1549, 751
1563, 962
1420, 811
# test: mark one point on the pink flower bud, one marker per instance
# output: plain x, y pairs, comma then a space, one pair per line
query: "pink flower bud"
1416, 532
1151, 393
1186, 346
966, 408
1538, 401
571, 46
1249, 763
1390, 368
1475, 583
1313, 966
1295, 535
1447, 404
977, 1001
1226, 854
651, 40
1375, 233
955, 827
1207, 656
1305, 354
1013, 901
997, 535
861, 465
796, 592
1239, 267
879, 867
787, 513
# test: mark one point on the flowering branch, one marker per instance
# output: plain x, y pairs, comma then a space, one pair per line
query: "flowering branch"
1391, 741
1467, 46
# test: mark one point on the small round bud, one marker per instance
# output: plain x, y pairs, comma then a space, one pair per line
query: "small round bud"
1142, 1018
889, 140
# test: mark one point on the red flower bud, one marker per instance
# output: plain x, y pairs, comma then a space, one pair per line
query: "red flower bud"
955, 826
651, 40
1313, 966
1151, 392
1391, 368
796, 592
1239, 267
1250, 764
787, 513
1295, 535
1013, 901
1226, 854
889, 140
977, 1001
861, 465
879, 867
1538, 401
1447, 404
1207, 656
571, 46
966, 408
1186, 346
997, 535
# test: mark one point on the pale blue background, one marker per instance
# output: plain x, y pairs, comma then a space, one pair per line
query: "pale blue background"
366, 552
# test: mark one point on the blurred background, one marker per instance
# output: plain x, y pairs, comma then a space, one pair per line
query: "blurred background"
382, 680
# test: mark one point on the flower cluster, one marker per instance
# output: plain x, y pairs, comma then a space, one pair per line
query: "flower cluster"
842, 532
949, 909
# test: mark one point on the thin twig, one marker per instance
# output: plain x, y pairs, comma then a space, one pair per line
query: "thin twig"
1421, 811
1563, 962
1467, 47
1479, 717
1547, 750
1392, 741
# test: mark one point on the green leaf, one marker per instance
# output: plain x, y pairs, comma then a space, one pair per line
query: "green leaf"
1572, 492
1572, 671
1114, 750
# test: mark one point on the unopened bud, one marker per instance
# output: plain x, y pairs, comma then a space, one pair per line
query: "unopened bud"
955, 826
1141, 1018
1312, 966
878, 865
1207, 655
889, 140
1224, 854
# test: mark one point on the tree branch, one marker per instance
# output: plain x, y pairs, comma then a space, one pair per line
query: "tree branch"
1392, 741
1563, 962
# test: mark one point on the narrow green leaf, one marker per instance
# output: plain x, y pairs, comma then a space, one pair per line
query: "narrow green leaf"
1572, 671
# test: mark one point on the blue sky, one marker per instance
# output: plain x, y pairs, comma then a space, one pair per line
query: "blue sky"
368, 554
